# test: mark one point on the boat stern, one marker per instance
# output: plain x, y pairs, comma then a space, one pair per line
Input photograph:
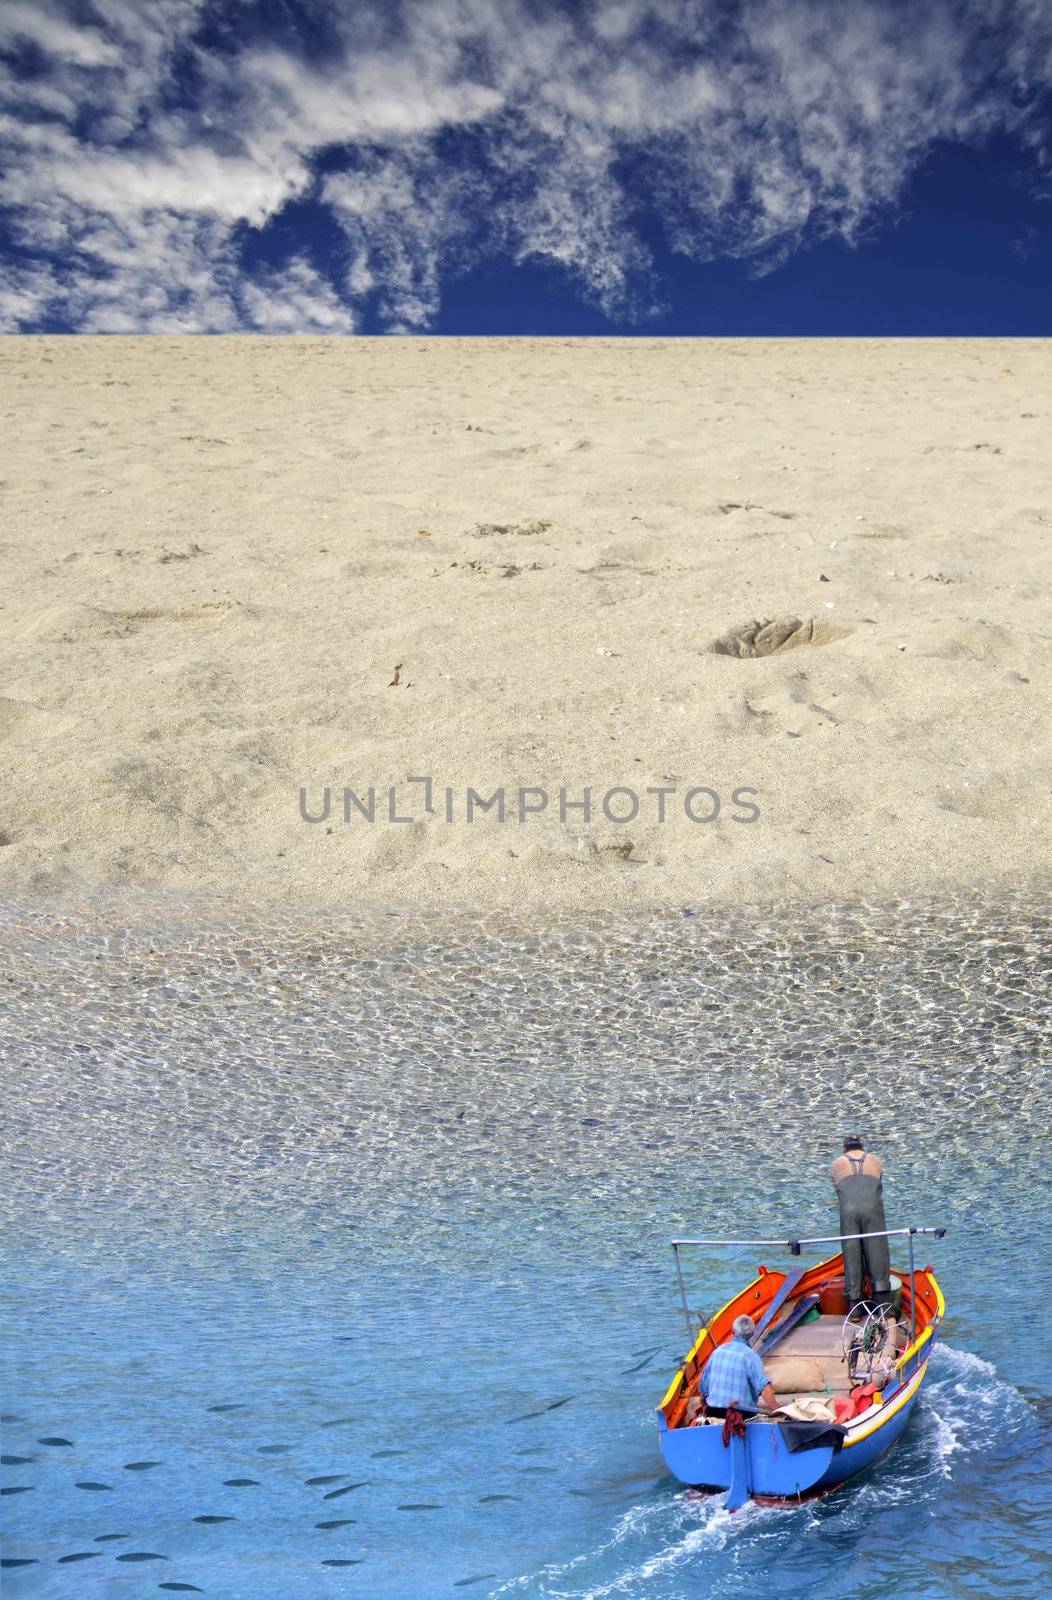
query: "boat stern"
698, 1457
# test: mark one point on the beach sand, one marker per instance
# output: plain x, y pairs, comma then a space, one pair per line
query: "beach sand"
237, 567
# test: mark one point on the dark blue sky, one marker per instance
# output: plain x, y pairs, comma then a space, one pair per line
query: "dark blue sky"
748, 167
967, 252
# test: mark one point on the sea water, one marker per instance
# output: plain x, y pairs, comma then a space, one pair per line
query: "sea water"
337, 1251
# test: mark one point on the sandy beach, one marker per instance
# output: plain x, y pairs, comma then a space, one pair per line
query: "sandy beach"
235, 569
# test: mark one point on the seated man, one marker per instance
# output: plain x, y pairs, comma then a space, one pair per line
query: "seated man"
734, 1375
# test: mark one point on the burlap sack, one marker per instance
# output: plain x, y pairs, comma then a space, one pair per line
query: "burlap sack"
795, 1375
810, 1408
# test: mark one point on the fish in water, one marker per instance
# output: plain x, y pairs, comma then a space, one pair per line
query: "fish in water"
419, 1505
343, 1561
334, 1494
650, 1350
273, 1449
55, 1442
627, 1371
18, 1488
104, 1538
237, 1406
337, 1422
215, 1519
328, 1477
183, 1588
95, 1487
78, 1555
553, 1405
339, 1522
240, 1483
140, 1466
18, 1561
488, 1499
476, 1577
380, 1454
141, 1555
16, 1461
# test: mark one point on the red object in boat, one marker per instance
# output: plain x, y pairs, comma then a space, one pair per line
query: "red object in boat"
832, 1301
852, 1405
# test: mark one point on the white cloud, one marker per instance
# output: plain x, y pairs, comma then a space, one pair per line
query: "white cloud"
294, 299
27, 294
144, 162
45, 26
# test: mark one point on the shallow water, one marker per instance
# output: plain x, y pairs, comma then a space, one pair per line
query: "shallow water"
387, 1205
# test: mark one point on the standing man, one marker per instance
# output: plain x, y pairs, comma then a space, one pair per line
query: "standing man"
858, 1180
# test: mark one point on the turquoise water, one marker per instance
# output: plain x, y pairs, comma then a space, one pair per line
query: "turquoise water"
386, 1207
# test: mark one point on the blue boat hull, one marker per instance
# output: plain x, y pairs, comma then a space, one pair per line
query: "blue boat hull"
761, 1466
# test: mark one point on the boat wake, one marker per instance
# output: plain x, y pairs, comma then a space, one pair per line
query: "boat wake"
677, 1544
971, 1406
647, 1543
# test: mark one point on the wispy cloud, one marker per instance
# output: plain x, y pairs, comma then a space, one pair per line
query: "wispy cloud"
152, 150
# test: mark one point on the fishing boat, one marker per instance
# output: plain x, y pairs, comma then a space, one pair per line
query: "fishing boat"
860, 1367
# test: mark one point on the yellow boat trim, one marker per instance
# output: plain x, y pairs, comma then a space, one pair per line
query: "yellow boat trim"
696, 1346
940, 1308
670, 1393
886, 1413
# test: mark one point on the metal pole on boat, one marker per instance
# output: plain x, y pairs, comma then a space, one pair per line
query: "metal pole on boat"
683, 1294
830, 1238
913, 1293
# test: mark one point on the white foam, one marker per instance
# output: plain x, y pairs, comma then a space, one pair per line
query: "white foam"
679, 1529
947, 1441
964, 1362
969, 1403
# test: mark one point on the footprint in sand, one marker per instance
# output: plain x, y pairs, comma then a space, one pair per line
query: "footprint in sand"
524, 530
546, 447
769, 636
727, 506
80, 624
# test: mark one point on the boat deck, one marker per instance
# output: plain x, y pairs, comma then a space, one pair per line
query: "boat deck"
820, 1341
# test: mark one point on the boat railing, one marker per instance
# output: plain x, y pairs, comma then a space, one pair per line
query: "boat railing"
795, 1246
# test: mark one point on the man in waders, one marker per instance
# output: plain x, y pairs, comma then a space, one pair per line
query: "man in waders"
857, 1179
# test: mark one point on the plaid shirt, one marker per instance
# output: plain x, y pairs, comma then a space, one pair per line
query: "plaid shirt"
733, 1375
